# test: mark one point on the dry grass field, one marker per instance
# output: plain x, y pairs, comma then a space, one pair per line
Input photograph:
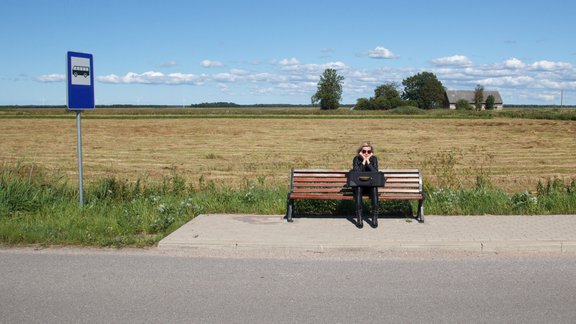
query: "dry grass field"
513, 153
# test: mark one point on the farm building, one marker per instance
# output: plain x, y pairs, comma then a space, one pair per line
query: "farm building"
452, 97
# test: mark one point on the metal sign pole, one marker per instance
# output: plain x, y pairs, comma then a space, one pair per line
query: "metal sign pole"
79, 135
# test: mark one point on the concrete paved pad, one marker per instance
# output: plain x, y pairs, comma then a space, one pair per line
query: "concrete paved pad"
556, 233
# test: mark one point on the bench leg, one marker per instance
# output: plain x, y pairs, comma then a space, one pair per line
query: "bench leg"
374, 198
420, 216
289, 210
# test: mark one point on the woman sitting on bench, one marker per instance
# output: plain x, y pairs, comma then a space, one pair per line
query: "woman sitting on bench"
365, 160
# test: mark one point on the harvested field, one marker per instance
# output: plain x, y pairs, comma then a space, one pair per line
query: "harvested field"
513, 153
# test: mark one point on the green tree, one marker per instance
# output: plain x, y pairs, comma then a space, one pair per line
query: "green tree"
387, 90
329, 90
381, 103
463, 104
490, 101
478, 97
386, 96
363, 104
424, 89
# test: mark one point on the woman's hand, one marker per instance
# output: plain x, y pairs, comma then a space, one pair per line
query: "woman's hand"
366, 157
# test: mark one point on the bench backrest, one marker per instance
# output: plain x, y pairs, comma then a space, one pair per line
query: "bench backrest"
400, 183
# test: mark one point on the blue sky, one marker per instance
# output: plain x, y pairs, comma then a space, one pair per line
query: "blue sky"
250, 52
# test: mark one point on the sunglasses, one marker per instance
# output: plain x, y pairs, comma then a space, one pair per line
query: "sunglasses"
366, 151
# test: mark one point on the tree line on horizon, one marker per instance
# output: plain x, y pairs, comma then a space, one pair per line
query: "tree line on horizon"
422, 90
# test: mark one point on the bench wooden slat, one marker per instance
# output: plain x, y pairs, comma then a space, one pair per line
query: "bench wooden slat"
389, 191
400, 171
322, 190
322, 196
319, 171
401, 176
401, 182
342, 180
320, 185
327, 175
401, 197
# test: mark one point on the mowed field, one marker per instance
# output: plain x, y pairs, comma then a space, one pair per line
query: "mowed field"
513, 153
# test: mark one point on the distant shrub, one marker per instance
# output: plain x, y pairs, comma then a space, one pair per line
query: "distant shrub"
381, 103
214, 105
363, 104
463, 104
407, 110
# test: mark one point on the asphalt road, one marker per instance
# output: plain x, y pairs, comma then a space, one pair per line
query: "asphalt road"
87, 286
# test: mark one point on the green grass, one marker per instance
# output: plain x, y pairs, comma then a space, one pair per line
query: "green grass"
41, 208
37, 208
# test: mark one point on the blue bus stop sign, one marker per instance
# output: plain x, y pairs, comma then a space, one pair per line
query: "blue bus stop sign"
80, 79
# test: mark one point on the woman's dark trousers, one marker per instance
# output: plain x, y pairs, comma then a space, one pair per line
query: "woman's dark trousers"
358, 192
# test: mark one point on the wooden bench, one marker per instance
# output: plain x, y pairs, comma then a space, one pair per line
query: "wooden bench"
401, 184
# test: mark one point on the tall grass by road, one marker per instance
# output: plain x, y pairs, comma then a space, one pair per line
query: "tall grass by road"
37, 208
41, 208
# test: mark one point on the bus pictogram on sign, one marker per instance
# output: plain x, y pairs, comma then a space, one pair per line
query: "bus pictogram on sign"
81, 70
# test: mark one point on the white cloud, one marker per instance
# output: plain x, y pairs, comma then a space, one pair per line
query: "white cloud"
514, 63
51, 78
239, 72
381, 53
182, 78
146, 77
297, 88
314, 69
452, 60
151, 77
225, 77
211, 64
111, 78
335, 65
549, 66
265, 77
546, 97
363, 76
291, 61
263, 91
506, 81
